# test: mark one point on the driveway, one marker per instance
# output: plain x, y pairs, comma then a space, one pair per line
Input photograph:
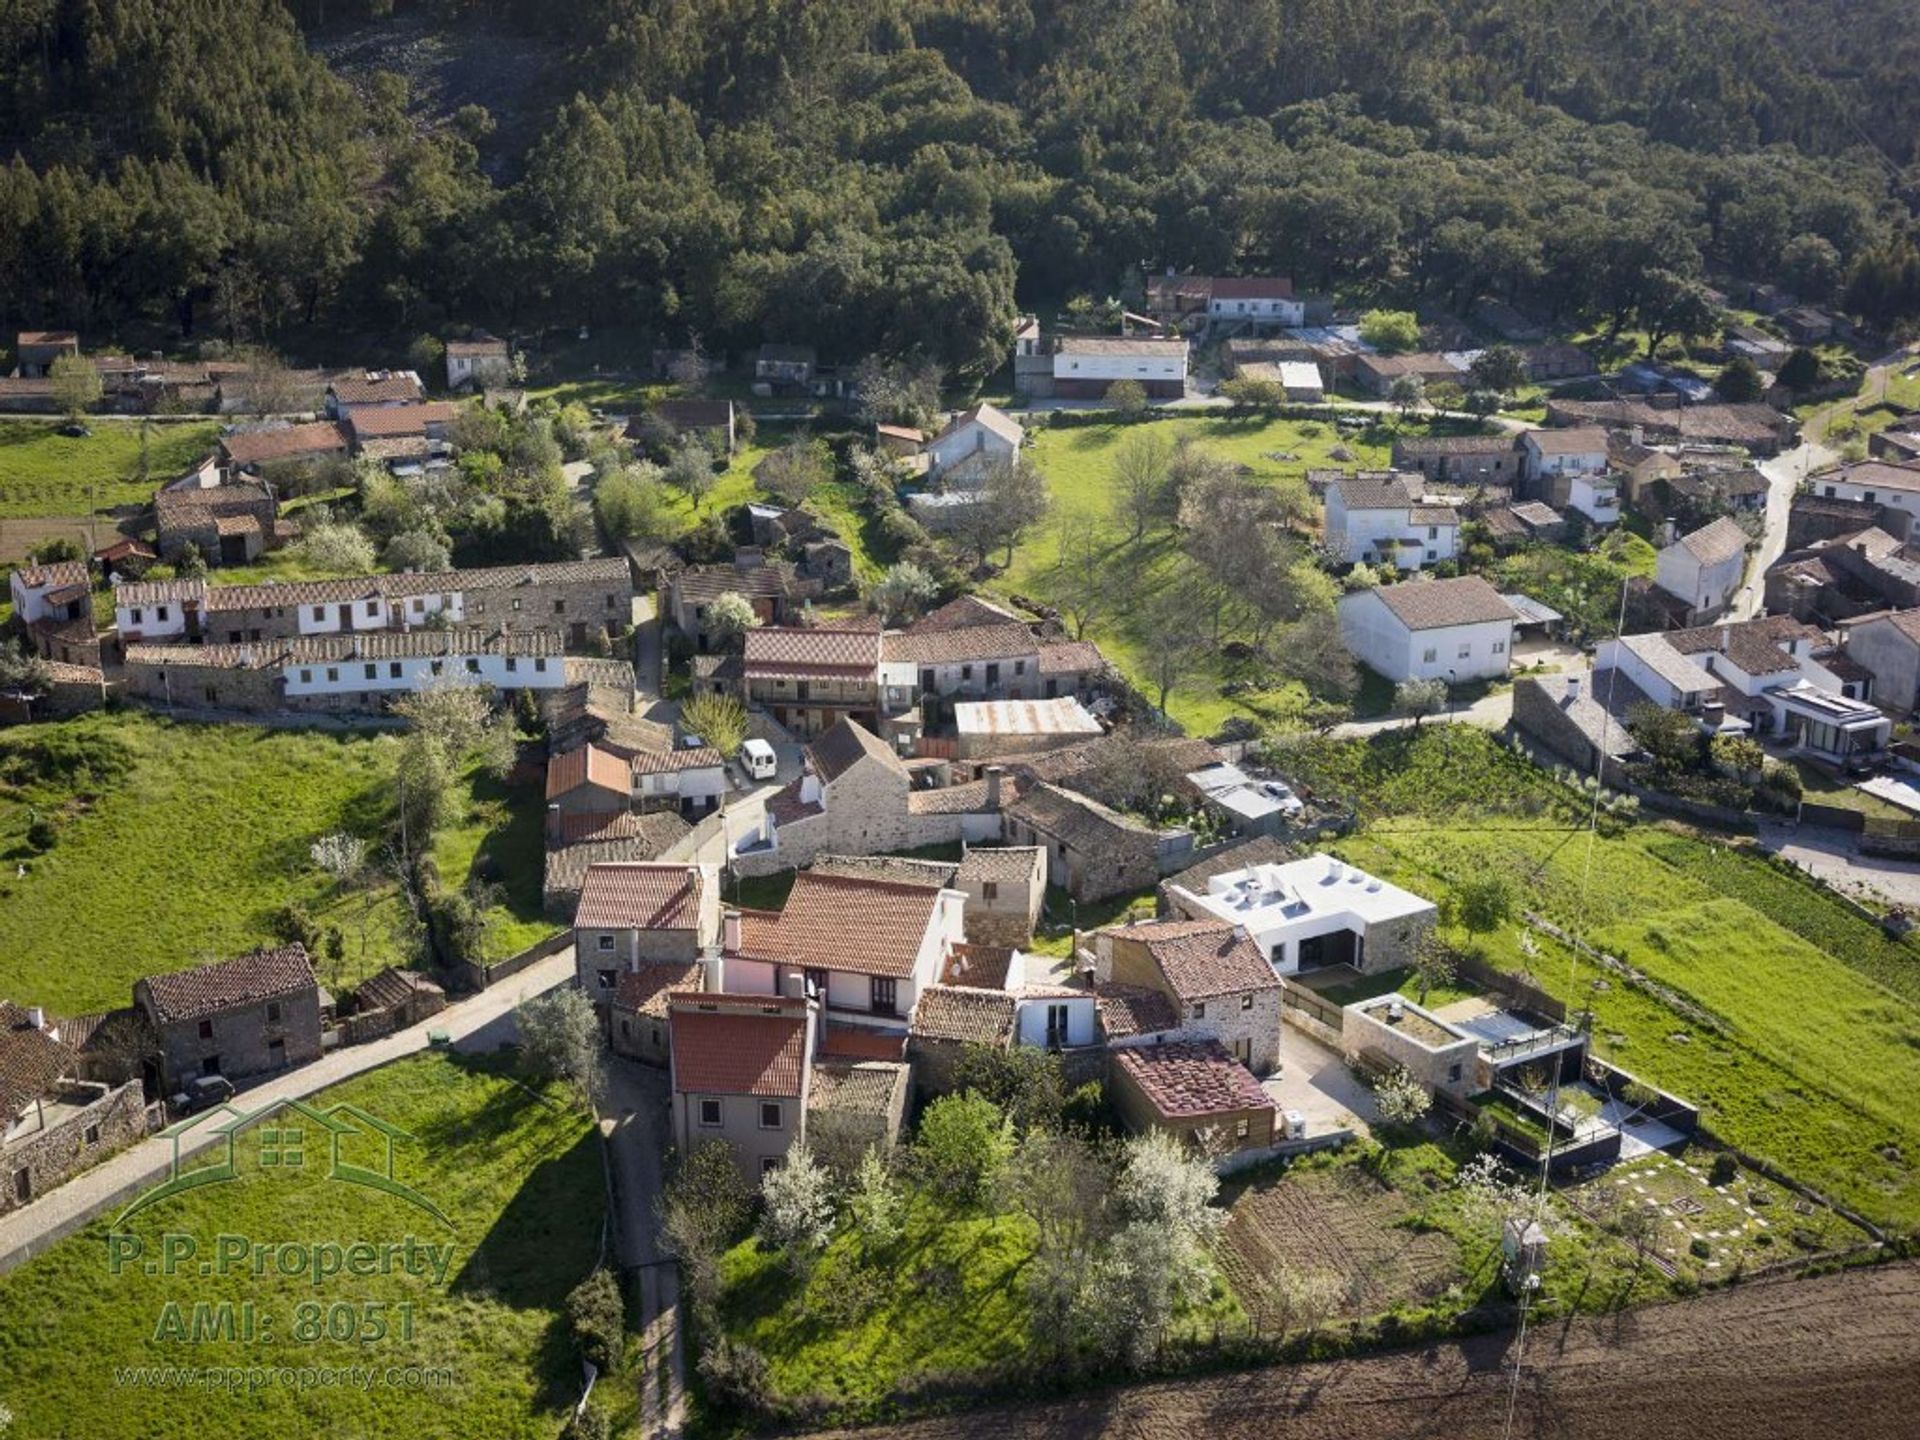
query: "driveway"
1316, 1081
1489, 712
634, 1118
480, 1023
646, 649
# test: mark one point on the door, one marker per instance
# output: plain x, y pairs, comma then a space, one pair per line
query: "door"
345, 613
1056, 1026
578, 630
884, 996
23, 1185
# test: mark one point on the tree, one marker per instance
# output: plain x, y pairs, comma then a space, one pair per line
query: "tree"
1408, 393
1011, 499
1164, 1184
692, 470
1419, 698
340, 855
1080, 581
892, 392
1434, 963
791, 473
1025, 1082
797, 1196
1670, 737
1256, 394
962, 1144
461, 719
633, 506
1483, 903
1739, 383
23, 673
1128, 398
729, 618
1141, 467
1801, 370
77, 386
598, 1318
1811, 266
703, 1209
1499, 368
1674, 304
425, 356
338, 546
560, 1039
688, 370
417, 550
720, 720
1172, 628
55, 550
269, 386
1313, 651
903, 593
1390, 331
875, 1204
1401, 1099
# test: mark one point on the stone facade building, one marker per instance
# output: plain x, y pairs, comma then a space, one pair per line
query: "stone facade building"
632, 916
228, 524
52, 1123
1194, 1091
1222, 988
1005, 889
246, 1016
1093, 852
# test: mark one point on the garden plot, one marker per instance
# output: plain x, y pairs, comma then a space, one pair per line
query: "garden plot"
1341, 1223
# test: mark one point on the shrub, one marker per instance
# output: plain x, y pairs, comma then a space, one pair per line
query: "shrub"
963, 1142
589, 1424
42, 834
736, 1374
598, 1318
294, 924
1699, 1249
1723, 1171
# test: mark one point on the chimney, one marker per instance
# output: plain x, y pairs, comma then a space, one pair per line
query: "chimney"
37, 1017
1334, 869
766, 826
994, 773
1573, 689
730, 931
713, 973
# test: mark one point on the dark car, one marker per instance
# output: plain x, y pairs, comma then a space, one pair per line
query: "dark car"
201, 1094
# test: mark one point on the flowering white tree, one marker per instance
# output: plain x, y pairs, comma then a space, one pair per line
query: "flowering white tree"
799, 1204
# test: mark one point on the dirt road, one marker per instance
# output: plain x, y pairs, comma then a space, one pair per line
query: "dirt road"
1815, 1359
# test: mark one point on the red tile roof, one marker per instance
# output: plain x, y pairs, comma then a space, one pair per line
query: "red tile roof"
389, 422
289, 442
645, 991
1129, 1010
966, 1015
773, 650
953, 646
836, 922
1189, 1079
857, 1042
30, 1061
668, 762
1438, 604
1203, 958
245, 980
738, 1052
588, 765
375, 388
640, 895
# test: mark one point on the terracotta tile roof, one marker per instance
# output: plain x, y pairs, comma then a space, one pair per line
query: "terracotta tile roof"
1578, 440
991, 417
1079, 821
389, 988
845, 745
961, 644
1364, 493
648, 895
374, 388
49, 337
569, 859
249, 979
30, 1061
861, 1088
963, 613
669, 762
645, 991
859, 1042
978, 967
1189, 1079
287, 442
1720, 541
773, 651
835, 922
1252, 287
901, 432
625, 825
1437, 604
395, 421
1756, 646
1070, 657
1433, 515
588, 765
1130, 1010
174, 509
786, 806
965, 1015
968, 799
1203, 958
1453, 445
702, 583
1008, 865
479, 346
693, 414
735, 1052
60, 575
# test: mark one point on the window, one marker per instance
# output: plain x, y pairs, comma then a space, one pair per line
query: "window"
1453, 1074
1242, 1128
626, 1029
884, 996
206, 1029
136, 614
273, 1012
559, 607
1246, 1002
319, 612
93, 1134
1200, 1011
1465, 650
373, 672
1429, 655
606, 979
473, 665
769, 1164
605, 942
333, 672
770, 1114
610, 604
966, 672
306, 677
989, 890
418, 604
709, 1112
513, 664
1433, 532
1831, 492
539, 667
516, 602
1868, 497
1432, 555
439, 667
393, 670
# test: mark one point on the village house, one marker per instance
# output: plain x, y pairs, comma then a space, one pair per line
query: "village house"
1375, 374
54, 594
972, 441
1386, 521
639, 1015
587, 780
1703, 569
1449, 630
576, 843
256, 1013
1892, 485
346, 674
784, 367
776, 593
632, 916
1307, 914
1254, 300
713, 422
251, 452
1005, 886
1757, 428
478, 362
1887, 645
1460, 459
691, 779
350, 395
742, 1070
1196, 1092
1556, 360
992, 729
999, 998
1569, 470
810, 679
231, 524
1086, 367
34, 351
1093, 851
1218, 980
54, 1122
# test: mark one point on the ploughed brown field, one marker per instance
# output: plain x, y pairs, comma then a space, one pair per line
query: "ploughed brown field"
1787, 1360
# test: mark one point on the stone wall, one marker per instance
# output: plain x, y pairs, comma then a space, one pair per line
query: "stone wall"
242, 1040
114, 1120
183, 685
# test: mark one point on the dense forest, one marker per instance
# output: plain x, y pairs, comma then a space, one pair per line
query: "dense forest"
893, 175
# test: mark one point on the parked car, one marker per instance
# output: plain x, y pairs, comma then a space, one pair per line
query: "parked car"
203, 1093
758, 760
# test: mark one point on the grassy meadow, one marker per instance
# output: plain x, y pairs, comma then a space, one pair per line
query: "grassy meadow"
43, 472
177, 843
517, 1173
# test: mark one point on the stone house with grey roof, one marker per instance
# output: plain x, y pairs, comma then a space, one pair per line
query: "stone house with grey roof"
256, 1013
1093, 852
1005, 888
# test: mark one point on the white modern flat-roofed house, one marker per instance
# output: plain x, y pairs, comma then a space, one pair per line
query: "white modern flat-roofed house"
1308, 914
1430, 629
1086, 366
1375, 520
1258, 299
1703, 568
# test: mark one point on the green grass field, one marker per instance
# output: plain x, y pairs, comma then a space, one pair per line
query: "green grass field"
1077, 461
42, 472
177, 843
1809, 1054
516, 1172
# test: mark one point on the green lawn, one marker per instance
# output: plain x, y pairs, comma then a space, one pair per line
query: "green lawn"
43, 472
1805, 1055
1077, 460
517, 1173
177, 843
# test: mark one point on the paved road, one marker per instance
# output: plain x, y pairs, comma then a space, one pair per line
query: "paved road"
634, 1117
1489, 712
1784, 473
646, 648
477, 1024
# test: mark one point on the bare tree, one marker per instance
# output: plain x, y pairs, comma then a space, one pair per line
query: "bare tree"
688, 369
1081, 581
790, 473
1173, 630
1141, 467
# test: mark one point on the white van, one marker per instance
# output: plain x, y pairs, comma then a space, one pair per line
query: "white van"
757, 759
